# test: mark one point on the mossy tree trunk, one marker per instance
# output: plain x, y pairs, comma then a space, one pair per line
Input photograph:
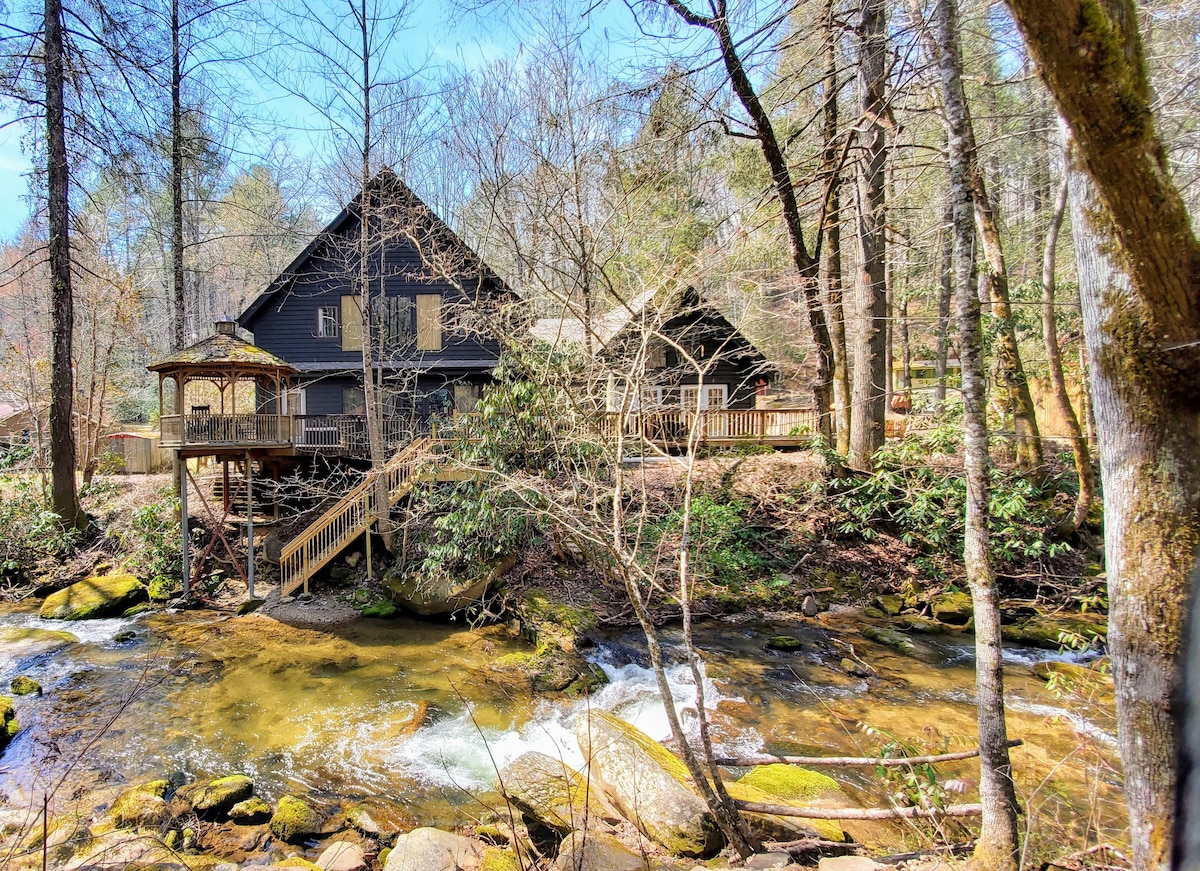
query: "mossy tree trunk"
997, 847
1139, 268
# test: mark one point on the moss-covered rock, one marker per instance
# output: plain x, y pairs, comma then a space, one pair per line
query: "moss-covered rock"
1055, 631
890, 638
250, 811
384, 609
141, 807
163, 589
783, 643
25, 686
214, 799
648, 784
295, 819
23, 643
379, 818
8, 721
798, 787
445, 593
499, 859
889, 604
953, 609
100, 596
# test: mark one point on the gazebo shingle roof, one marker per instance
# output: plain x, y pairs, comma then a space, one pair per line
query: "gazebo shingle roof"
222, 349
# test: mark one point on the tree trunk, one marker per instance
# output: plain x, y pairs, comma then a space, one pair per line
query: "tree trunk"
807, 266
945, 293
1151, 475
831, 251
62, 313
179, 303
997, 847
372, 405
1142, 330
870, 375
1058, 383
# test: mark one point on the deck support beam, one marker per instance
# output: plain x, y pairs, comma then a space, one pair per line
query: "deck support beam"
183, 523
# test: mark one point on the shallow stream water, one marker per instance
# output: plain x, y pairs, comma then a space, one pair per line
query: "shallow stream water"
401, 709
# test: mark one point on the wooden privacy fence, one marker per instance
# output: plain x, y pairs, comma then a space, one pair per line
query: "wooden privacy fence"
351, 516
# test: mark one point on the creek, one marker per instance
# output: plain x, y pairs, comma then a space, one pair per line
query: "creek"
403, 710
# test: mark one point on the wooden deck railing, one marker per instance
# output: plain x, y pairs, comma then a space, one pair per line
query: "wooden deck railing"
329, 535
347, 433
181, 430
670, 427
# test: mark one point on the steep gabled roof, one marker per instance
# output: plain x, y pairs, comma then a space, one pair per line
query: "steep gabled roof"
666, 313
427, 226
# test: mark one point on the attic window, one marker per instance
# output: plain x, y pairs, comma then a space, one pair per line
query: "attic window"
327, 322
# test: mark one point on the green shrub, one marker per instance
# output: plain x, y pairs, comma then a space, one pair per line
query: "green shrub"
154, 545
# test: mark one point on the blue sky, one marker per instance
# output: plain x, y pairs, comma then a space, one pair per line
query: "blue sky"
434, 36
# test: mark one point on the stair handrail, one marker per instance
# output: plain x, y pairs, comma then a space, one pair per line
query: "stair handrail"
355, 510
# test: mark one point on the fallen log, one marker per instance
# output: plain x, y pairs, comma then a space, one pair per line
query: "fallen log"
850, 813
887, 762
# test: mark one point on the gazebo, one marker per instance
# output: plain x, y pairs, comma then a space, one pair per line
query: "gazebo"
225, 361
257, 432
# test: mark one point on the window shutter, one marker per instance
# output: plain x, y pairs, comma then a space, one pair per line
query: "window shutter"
352, 324
429, 322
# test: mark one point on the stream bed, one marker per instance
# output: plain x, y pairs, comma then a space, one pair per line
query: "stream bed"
403, 709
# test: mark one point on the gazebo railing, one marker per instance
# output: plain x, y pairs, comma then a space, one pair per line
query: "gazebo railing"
225, 429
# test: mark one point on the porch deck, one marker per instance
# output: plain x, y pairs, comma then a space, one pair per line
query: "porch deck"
346, 434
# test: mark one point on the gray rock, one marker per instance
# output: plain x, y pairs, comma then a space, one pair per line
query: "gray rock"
433, 850
848, 863
550, 791
648, 784
343, 856
596, 851
769, 860
810, 607
379, 818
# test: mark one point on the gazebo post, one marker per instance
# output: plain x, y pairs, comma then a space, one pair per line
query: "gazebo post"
183, 522
249, 526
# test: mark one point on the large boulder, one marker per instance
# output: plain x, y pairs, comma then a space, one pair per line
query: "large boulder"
213, 800
101, 596
444, 594
295, 819
379, 818
648, 784
143, 806
343, 856
551, 792
434, 850
21, 644
795, 787
954, 609
597, 851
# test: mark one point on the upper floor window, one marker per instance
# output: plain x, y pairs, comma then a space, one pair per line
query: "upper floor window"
327, 322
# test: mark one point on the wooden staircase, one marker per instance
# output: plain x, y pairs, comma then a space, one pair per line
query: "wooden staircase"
333, 531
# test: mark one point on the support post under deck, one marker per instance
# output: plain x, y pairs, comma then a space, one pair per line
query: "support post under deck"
249, 526
183, 522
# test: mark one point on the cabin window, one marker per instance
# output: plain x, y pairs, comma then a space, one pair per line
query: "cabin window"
656, 357
429, 322
353, 401
327, 322
393, 320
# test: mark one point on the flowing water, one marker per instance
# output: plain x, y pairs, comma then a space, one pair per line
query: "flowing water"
401, 709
